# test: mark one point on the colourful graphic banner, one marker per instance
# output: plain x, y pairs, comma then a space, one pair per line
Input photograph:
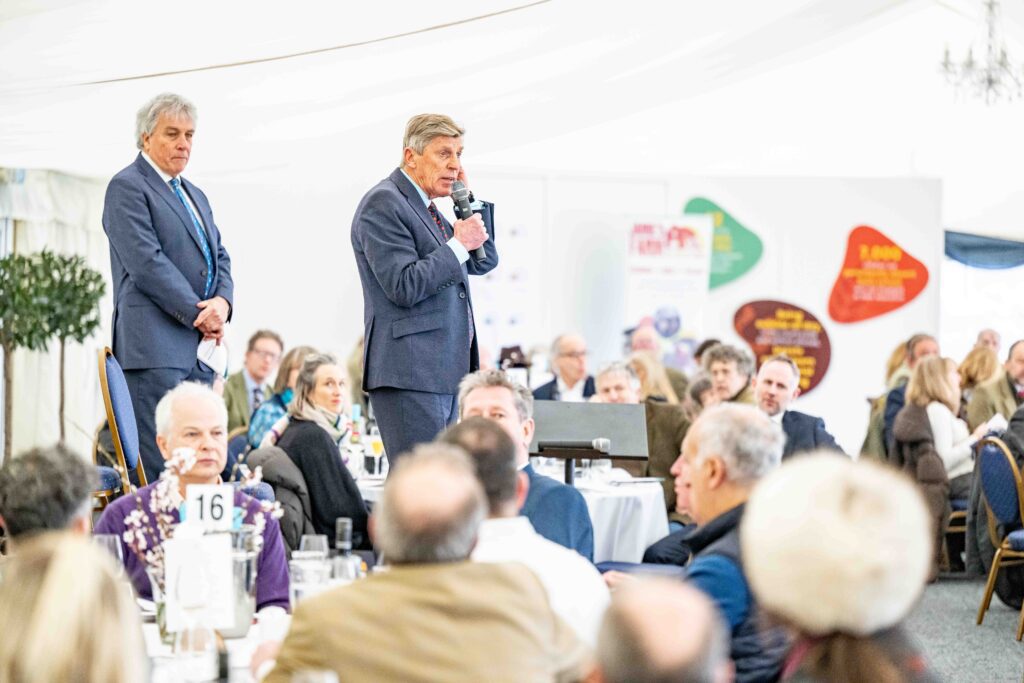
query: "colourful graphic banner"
736, 249
667, 282
774, 327
877, 277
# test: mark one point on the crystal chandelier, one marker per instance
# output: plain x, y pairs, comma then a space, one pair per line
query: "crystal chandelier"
992, 76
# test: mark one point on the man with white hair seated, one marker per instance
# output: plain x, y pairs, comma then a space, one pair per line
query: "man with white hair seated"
192, 416
727, 451
433, 615
659, 630
45, 490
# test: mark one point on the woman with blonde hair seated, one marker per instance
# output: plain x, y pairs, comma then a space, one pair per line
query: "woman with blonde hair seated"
980, 365
932, 443
654, 384
65, 616
842, 554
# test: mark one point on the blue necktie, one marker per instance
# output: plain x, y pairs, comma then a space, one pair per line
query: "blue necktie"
204, 244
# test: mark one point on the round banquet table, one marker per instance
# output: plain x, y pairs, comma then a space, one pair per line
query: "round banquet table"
627, 517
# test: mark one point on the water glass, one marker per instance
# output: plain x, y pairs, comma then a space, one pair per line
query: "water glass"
111, 544
315, 544
308, 577
601, 469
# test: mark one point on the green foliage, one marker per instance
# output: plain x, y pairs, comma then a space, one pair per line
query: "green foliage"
24, 302
73, 291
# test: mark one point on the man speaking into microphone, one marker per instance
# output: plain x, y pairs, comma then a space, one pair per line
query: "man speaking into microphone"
414, 267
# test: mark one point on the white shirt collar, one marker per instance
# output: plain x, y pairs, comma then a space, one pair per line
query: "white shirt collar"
574, 394
423, 195
495, 528
777, 417
166, 178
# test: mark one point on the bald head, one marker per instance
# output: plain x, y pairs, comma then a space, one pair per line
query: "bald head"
431, 508
644, 338
659, 630
569, 358
988, 338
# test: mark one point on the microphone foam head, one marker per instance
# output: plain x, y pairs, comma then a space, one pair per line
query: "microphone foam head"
602, 445
459, 190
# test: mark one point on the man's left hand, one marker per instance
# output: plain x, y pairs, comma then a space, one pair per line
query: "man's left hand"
213, 316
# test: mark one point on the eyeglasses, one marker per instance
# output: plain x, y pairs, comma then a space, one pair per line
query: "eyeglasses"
268, 355
573, 354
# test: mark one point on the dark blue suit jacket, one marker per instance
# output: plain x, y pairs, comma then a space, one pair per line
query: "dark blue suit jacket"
158, 268
559, 513
549, 391
804, 433
414, 292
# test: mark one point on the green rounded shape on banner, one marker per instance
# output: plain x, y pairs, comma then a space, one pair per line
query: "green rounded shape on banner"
735, 248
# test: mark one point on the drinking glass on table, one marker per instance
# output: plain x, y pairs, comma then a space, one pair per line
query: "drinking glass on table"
315, 545
307, 577
111, 544
601, 469
374, 452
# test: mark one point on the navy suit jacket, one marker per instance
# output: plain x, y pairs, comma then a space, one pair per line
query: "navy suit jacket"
414, 292
558, 512
804, 433
549, 391
158, 268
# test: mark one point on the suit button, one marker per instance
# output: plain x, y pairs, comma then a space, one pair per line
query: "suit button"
203, 272
462, 295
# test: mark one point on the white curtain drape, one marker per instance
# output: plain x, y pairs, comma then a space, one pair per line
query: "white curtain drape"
61, 213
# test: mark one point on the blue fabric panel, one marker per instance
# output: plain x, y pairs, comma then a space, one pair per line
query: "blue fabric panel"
998, 485
1016, 539
667, 570
959, 504
110, 480
262, 491
124, 413
984, 252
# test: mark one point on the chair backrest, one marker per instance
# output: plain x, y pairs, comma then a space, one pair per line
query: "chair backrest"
120, 413
1000, 481
261, 491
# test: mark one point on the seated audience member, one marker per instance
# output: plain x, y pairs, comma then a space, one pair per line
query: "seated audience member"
319, 425
45, 490
661, 631
988, 339
645, 340
290, 492
726, 452
66, 616
557, 511
845, 599
699, 395
730, 369
979, 366
776, 386
433, 615
919, 346
1002, 394
569, 365
653, 378
933, 444
247, 389
698, 353
192, 416
271, 418
896, 374
574, 586
666, 426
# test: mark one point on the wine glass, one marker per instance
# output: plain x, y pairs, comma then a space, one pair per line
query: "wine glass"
111, 544
314, 544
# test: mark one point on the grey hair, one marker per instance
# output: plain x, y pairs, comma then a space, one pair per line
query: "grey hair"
45, 490
482, 379
423, 128
186, 390
403, 537
746, 439
620, 367
306, 381
725, 353
164, 103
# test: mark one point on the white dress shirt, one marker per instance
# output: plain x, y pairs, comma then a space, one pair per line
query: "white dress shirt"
953, 441
574, 395
575, 589
456, 246
167, 179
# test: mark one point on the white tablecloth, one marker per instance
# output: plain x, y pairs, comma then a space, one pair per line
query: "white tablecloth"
164, 669
627, 518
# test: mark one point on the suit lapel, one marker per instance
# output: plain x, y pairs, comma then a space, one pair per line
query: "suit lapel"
416, 203
167, 194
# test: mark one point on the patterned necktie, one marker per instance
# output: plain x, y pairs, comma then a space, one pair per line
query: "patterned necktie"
257, 399
200, 233
437, 219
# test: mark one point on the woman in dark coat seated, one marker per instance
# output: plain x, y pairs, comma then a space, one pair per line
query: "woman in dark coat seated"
319, 426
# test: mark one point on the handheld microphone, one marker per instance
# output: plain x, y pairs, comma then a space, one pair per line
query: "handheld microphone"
460, 194
601, 445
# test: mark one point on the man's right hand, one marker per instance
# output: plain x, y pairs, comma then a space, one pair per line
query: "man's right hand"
471, 232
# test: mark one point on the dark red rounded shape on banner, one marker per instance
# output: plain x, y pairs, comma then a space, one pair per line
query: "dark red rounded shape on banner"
775, 327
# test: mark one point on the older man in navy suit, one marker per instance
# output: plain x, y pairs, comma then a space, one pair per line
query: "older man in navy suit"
557, 512
171, 273
414, 267
776, 385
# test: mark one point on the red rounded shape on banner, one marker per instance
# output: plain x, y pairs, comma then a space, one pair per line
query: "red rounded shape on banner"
774, 327
877, 277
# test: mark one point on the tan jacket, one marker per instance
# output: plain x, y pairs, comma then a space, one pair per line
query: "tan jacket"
462, 621
990, 398
236, 398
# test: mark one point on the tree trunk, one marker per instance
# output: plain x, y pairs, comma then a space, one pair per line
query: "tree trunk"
8, 399
60, 410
